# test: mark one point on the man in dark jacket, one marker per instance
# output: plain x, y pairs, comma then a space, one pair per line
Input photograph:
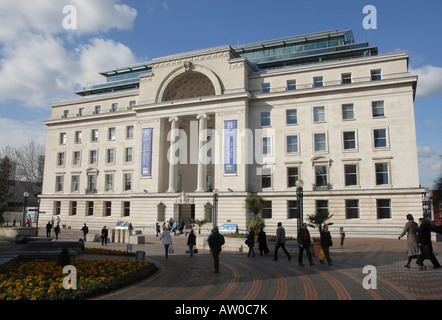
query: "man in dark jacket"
216, 241
424, 240
304, 242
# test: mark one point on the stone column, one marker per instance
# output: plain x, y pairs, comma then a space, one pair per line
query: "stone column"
173, 159
202, 153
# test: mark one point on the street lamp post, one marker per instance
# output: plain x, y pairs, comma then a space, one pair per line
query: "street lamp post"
299, 201
215, 208
25, 196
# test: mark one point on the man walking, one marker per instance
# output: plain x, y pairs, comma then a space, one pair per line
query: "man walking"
216, 241
280, 242
85, 230
304, 242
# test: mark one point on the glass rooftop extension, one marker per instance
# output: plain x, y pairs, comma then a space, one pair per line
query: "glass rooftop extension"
278, 53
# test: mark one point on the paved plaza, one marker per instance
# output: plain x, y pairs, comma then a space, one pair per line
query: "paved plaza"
186, 278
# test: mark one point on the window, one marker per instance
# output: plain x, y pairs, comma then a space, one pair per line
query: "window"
107, 208
76, 158
132, 103
111, 134
349, 140
126, 208
89, 208
128, 152
91, 183
127, 178
292, 144
94, 135
73, 208
75, 179
267, 210
318, 114
376, 75
59, 184
93, 157
292, 116
265, 119
320, 142
318, 82
346, 78
63, 138
321, 176
114, 107
60, 159
292, 176
65, 113
291, 85
108, 182
383, 207
321, 206
348, 112
378, 109
352, 209
292, 209
110, 156
97, 109
380, 138
351, 175
57, 207
266, 178
265, 88
381, 173
129, 132
266, 145
80, 112
78, 136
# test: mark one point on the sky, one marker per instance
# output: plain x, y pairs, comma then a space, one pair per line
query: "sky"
51, 48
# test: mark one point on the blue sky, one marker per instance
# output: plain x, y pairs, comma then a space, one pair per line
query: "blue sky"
42, 62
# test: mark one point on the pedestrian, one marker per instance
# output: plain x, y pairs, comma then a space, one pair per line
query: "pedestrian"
216, 241
57, 231
48, 229
250, 242
104, 234
304, 242
85, 230
167, 240
175, 227
14, 221
157, 228
191, 241
262, 242
342, 236
280, 242
413, 250
52, 222
326, 243
424, 240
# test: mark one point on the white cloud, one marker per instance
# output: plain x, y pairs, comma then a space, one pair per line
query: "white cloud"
430, 81
18, 133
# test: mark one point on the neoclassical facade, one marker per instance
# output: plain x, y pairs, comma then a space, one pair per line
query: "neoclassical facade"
183, 134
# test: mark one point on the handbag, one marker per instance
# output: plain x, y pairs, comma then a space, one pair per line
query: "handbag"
171, 250
321, 255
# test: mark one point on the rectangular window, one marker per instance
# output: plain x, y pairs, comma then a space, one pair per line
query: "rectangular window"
75, 179
126, 208
320, 142
110, 157
265, 119
57, 207
292, 144
94, 135
321, 176
349, 140
93, 157
291, 85
292, 176
60, 159
292, 116
108, 182
80, 111
376, 75
292, 209
129, 132
111, 134
352, 209
76, 158
351, 175
318, 82
129, 155
381, 173
266, 145
65, 113
383, 207
380, 138
63, 138
346, 78
265, 88
73, 208
97, 109
59, 184
78, 136
318, 114
266, 178
378, 109
127, 177
91, 183
321, 206
89, 208
348, 112
114, 107
267, 210
107, 208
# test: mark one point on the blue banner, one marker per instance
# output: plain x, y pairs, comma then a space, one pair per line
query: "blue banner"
146, 152
230, 146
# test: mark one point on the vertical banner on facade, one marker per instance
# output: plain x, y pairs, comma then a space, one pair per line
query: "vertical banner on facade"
146, 152
230, 146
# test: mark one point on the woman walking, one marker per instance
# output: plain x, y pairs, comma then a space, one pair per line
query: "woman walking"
262, 242
413, 250
167, 241
251, 243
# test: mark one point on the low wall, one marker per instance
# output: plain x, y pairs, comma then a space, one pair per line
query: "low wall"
12, 232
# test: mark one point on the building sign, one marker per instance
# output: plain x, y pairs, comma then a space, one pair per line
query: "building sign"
146, 152
230, 146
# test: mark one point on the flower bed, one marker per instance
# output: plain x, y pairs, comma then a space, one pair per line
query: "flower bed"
108, 252
43, 280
